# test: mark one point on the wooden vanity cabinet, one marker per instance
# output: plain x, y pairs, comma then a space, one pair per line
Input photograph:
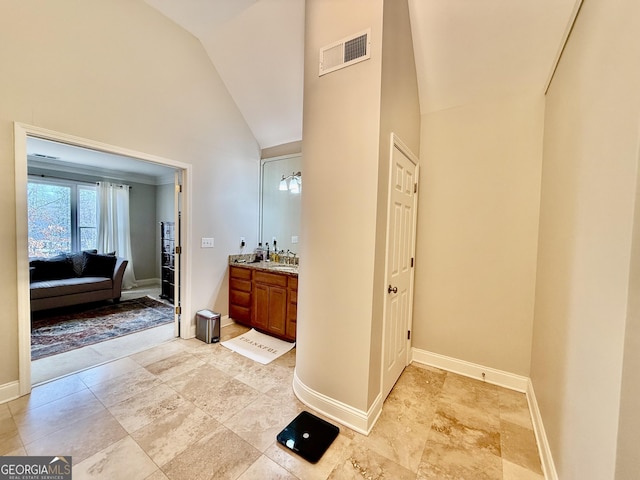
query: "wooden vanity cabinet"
266, 301
240, 294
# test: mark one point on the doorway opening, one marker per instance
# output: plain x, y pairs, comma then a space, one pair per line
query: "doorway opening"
158, 194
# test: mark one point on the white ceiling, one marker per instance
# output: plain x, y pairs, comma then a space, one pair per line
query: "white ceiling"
257, 47
465, 51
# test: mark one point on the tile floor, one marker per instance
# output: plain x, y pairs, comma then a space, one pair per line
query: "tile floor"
188, 410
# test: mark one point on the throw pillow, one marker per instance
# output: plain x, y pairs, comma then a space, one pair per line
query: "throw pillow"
97, 265
53, 268
77, 259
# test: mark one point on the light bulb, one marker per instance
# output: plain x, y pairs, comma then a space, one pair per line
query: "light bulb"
294, 186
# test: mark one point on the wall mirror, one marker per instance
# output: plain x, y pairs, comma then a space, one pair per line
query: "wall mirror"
280, 205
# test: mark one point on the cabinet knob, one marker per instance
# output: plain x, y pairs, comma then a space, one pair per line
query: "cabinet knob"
392, 289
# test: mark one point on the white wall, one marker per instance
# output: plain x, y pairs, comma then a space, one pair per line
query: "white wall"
589, 189
477, 231
119, 72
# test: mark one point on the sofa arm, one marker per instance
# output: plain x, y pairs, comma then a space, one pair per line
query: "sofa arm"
118, 274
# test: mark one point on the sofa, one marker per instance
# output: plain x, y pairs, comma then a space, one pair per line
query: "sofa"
75, 278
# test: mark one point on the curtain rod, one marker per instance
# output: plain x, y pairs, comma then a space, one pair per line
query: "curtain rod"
71, 180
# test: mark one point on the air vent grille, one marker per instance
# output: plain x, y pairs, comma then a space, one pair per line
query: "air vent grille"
345, 52
356, 48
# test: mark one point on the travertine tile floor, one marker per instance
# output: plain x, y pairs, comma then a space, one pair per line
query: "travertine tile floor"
188, 410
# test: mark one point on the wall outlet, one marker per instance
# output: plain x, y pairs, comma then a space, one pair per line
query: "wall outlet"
208, 242
294, 238
242, 242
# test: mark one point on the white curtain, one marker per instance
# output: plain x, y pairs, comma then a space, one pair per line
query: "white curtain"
113, 226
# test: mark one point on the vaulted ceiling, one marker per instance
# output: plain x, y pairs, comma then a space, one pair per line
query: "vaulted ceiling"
465, 51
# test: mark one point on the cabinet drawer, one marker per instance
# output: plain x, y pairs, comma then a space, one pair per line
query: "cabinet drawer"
241, 299
293, 283
240, 285
240, 314
277, 279
239, 272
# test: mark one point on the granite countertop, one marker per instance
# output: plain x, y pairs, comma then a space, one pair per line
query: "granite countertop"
272, 267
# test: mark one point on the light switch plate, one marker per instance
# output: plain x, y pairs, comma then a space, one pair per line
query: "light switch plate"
294, 239
207, 242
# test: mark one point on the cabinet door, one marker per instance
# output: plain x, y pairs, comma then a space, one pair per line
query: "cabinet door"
260, 311
277, 310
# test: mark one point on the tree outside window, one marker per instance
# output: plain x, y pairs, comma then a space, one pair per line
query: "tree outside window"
62, 217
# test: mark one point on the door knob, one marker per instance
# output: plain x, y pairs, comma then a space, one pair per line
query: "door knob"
392, 289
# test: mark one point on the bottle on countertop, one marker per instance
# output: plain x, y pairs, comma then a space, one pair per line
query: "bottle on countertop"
259, 253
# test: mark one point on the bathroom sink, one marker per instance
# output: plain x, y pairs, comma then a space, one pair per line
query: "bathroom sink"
285, 268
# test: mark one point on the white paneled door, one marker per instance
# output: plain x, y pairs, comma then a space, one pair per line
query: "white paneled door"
401, 228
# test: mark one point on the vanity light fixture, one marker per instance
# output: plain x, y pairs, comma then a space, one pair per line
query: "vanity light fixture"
292, 182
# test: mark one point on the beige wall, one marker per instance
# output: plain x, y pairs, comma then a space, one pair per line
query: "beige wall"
628, 460
341, 127
586, 224
348, 119
120, 73
477, 231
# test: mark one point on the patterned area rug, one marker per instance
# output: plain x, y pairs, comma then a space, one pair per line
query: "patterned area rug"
75, 328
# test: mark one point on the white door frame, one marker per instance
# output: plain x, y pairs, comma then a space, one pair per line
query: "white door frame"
396, 142
21, 132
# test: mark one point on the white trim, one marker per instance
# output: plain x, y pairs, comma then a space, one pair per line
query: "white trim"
21, 131
148, 282
546, 458
22, 254
9, 391
472, 370
358, 420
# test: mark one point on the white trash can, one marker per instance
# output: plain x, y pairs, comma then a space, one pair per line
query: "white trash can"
208, 326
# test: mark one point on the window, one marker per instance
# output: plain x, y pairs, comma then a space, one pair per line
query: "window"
62, 217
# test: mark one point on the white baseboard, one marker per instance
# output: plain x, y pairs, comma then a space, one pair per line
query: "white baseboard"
473, 370
9, 391
148, 282
548, 466
358, 420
